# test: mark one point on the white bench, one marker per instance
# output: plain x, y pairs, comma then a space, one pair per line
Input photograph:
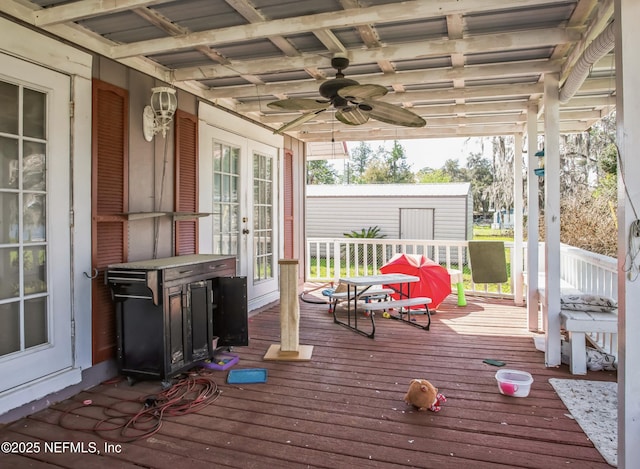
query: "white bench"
580, 324
368, 295
399, 305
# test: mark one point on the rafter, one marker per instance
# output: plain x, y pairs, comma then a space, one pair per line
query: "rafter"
448, 96
411, 51
409, 10
75, 11
529, 68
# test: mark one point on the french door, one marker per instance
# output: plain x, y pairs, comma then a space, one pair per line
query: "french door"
238, 187
35, 271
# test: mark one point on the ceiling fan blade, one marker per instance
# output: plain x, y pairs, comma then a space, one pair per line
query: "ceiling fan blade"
352, 115
299, 121
392, 114
298, 104
361, 92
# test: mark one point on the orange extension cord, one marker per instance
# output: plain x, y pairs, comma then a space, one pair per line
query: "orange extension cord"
191, 393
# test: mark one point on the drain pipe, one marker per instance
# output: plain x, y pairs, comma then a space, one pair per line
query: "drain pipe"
599, 47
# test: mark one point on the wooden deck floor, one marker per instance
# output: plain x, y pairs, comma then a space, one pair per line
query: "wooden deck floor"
344, 408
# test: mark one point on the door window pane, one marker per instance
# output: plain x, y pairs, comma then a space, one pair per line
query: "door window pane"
35, 270
262, 207
33, 166
9, 163
9, 97
9, 328
34, 218
217, 157
23, 219
34, 116
9, 273
226, 203
9, 217
35, 320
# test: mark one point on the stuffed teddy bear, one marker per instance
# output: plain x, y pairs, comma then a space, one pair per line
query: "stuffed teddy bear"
424, 395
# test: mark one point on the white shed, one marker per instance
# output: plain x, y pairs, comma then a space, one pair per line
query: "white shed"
405, 211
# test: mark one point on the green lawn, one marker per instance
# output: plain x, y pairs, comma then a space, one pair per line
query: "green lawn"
486, 233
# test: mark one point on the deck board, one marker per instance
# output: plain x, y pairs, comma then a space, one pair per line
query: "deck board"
344, 408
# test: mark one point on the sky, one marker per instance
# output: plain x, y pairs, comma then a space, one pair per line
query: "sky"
433, 152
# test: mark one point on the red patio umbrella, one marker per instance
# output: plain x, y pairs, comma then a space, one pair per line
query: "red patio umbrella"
434, 282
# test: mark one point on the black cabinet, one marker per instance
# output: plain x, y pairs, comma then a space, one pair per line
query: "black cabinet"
170, 311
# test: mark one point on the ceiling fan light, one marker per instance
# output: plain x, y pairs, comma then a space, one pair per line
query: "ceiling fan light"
352, 115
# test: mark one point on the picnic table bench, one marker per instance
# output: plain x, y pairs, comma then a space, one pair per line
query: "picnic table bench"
357, 286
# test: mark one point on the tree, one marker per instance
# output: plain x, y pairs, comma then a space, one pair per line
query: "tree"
429, 175
320, 172
452, 168
500, 192
588, 184
389, 166
358, 162
376, 173
399, 168
481, 177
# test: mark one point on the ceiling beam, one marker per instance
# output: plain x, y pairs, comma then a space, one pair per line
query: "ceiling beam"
75, 11
517, 117
478, 72
438, 96
410, 51
446, 110
462, 114
401, 133
254, 16
404, 11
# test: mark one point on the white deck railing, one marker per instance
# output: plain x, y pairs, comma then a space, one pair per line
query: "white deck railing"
328, 259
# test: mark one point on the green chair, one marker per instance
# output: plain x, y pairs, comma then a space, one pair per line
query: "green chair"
487, 261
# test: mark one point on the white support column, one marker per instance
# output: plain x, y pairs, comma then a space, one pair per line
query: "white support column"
628, 138
532, 220
516, 268
552, 219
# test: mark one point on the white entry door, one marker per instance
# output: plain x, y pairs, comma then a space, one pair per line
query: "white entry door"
238, 187
35, 272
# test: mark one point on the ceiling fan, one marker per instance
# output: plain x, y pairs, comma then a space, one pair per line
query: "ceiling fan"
354, 103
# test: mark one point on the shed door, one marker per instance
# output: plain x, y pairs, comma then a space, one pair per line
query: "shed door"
416, 223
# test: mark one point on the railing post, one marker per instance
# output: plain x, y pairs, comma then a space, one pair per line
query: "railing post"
336, 261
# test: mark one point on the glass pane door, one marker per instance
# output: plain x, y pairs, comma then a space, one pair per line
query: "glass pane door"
24, 319
263, 241
226, 200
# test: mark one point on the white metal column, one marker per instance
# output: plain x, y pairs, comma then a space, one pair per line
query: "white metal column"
552, 218
516, 268
628, 117
532, 220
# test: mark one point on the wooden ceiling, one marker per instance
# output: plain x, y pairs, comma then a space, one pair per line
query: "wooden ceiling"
468, 67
